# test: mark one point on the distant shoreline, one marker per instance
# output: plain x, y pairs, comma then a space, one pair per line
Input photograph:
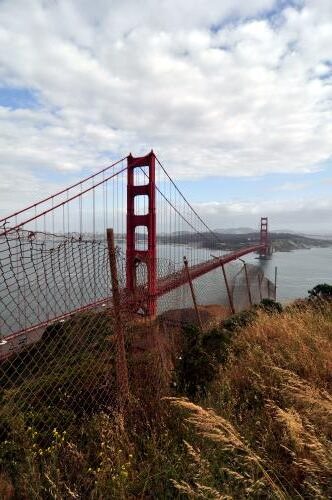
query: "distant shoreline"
281, 242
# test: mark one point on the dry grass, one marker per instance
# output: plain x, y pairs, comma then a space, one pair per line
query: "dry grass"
263, 430
276, 388
243, 471
298, 340
6, 488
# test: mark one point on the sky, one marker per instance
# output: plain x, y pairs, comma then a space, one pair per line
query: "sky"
235, 98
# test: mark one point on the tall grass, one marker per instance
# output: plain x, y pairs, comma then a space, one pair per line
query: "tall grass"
262, 430
276, 388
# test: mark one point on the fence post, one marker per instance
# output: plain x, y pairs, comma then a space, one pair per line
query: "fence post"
198, 316
230, 298
259, 276
121, 361
275, 282
247, 281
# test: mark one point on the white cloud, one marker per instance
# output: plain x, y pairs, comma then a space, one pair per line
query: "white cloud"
300, 214
291, 186
113, 77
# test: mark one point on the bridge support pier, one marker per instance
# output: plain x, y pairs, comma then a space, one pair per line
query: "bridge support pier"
147, 256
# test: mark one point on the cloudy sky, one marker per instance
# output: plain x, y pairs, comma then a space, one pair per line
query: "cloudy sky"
234, 96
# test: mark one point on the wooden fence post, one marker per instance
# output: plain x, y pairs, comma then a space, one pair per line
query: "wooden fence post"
198, 316
121, 361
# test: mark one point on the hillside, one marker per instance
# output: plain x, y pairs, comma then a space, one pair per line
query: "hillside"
281, 242
250, 413
285, 242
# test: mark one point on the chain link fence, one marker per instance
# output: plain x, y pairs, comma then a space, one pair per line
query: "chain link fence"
58, 344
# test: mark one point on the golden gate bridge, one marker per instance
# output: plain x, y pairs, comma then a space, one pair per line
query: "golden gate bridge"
54, 253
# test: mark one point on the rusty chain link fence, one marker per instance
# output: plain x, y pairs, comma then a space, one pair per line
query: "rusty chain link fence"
58, 344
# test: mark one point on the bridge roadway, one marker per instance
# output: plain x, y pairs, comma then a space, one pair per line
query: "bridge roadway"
17, 341
179, 278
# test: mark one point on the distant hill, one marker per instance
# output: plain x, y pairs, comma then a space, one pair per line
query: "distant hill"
285, 242
236, 230
281, 242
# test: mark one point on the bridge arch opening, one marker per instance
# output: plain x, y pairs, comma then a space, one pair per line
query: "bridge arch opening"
141, 204
141, 273
141, 176
141, 238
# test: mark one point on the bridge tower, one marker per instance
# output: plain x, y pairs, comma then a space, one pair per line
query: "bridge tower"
264, 238
147, 256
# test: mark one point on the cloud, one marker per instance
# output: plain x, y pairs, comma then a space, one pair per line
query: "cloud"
299, 214
219, 89
292, 186
19, 190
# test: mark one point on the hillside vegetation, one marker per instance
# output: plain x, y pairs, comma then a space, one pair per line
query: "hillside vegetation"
281, 242
250, 417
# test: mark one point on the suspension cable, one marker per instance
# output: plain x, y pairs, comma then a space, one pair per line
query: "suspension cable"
189, 205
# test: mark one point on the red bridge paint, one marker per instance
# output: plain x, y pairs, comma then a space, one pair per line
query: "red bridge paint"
264, 237
135, 256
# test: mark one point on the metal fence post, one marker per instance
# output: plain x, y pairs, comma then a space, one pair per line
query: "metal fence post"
259, 277
121, 361
275, 282
199, 321
230, 298
247, 281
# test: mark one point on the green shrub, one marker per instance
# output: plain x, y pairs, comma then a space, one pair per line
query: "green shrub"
239, 320
216, 343
270, 306
321, 291
202, 352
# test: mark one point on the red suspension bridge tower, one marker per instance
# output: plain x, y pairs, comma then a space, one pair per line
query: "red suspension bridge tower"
264, 238
136, 257
148, 256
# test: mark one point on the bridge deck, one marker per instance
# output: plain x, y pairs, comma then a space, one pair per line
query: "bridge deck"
179, 278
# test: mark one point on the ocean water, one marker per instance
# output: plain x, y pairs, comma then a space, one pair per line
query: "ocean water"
297, 271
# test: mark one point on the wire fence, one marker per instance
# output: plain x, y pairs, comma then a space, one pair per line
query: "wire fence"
58, 343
